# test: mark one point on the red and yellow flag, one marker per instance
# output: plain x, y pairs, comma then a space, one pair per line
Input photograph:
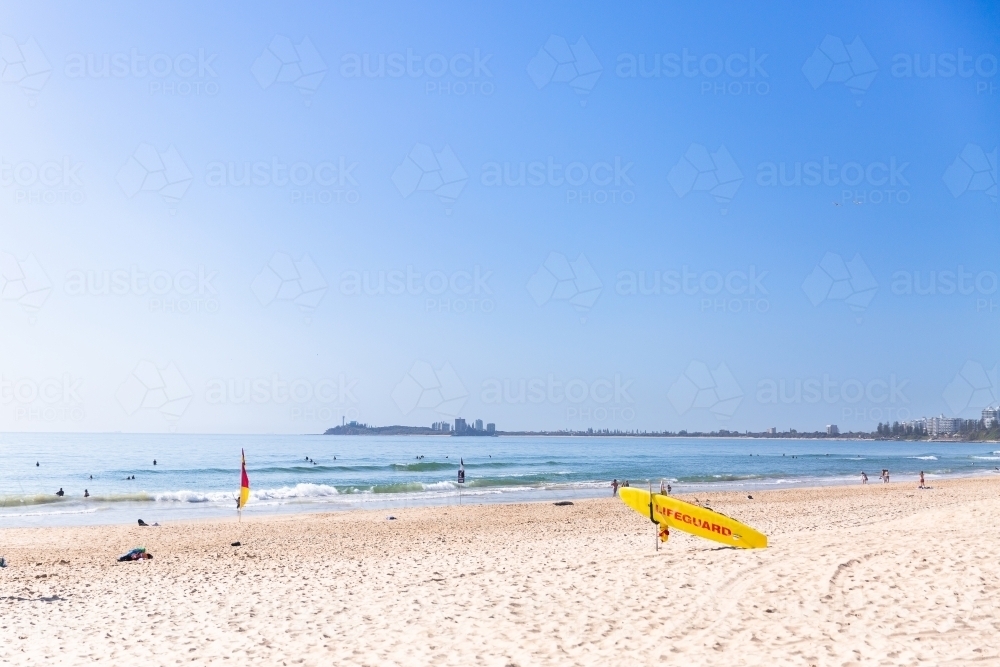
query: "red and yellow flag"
244, 482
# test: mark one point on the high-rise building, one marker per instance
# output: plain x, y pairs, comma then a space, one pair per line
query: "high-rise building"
831, 429
943, 425
460, 425
479, 424
991, 416
772, 431
491, 428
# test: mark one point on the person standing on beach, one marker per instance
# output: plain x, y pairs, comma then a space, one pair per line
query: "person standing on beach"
922, 480
614, 487
663, 487
864, 477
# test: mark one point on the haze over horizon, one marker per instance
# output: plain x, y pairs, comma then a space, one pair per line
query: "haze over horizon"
253, 218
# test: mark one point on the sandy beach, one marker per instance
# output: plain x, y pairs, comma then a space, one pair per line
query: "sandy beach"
875, 574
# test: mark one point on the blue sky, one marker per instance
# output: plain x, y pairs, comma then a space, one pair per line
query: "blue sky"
509, 285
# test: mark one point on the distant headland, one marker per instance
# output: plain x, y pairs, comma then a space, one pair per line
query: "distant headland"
955, 430
461, 428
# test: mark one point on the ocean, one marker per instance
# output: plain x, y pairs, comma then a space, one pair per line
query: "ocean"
197, 476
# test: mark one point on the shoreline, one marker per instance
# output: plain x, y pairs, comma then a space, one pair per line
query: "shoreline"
849, 577
161, 510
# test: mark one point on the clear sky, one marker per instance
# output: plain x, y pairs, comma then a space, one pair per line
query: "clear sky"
267, 217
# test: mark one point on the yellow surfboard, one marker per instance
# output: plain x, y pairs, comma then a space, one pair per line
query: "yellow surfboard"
699, 521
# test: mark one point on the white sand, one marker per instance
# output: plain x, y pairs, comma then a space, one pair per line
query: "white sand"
853, 576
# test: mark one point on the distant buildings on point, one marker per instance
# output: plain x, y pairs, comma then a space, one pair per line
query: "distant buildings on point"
463, 428
941, 425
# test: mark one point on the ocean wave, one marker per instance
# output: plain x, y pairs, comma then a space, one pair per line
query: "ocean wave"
8, 502
987, 458
188, 496
423, 466
417, 466
929, 457
32, 499
301, 490
412, 487
311, 469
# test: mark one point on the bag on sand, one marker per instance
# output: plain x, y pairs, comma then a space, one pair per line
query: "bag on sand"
139, 553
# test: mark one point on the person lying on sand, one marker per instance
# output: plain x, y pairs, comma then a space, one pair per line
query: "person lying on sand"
139, 553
